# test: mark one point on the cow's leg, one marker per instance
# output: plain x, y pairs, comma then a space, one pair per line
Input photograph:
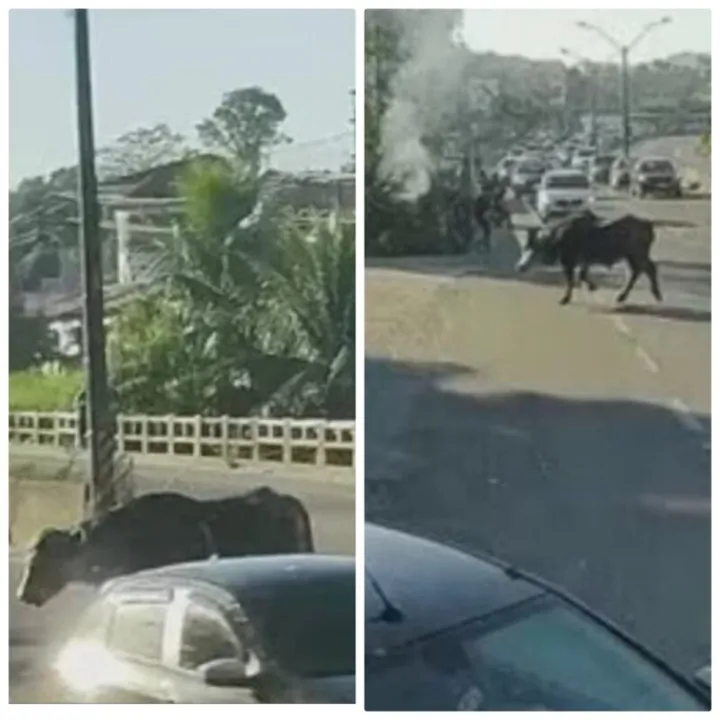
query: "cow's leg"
634, 274
569, 272
652, 273
585, 278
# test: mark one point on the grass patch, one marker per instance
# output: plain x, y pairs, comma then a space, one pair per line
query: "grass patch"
32, 390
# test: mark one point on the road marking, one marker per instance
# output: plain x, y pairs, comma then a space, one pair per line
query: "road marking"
686, 416
622, 326
643, 355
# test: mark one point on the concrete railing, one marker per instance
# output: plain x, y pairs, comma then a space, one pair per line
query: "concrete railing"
235, 440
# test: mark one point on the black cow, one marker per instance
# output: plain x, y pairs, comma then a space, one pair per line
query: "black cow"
583, 240
160, 529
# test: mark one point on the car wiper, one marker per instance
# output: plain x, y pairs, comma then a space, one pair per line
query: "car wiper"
390, 613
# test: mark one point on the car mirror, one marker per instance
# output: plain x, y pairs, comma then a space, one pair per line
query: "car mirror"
702, 676
226, 672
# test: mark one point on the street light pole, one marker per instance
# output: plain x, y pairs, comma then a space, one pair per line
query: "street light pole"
625, 100
624, 51
101, 435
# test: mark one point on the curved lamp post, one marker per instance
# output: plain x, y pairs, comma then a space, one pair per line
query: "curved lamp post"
624, 51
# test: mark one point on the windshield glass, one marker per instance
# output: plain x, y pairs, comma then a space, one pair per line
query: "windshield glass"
577, 182
585, 153
548, 657
604, 161
530, 166
308, 628
656, 166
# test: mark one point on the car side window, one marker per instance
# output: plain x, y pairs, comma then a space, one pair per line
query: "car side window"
137, 630
206, 636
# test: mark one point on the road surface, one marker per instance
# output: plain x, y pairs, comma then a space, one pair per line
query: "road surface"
573, 441
34, 634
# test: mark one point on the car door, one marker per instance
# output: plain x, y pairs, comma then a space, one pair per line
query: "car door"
201, 631
136, 640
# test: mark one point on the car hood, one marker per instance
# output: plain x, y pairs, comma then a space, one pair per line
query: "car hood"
336, 690
566, 193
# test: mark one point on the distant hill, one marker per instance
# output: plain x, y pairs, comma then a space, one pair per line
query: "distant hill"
677, 80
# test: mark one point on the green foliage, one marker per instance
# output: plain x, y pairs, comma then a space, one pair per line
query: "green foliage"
247, 318
244, 126
32, 390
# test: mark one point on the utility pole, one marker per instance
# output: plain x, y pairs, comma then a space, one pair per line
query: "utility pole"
625, 99
624, 51
100, 423
352, 123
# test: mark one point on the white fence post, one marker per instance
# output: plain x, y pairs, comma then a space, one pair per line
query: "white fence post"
133, 435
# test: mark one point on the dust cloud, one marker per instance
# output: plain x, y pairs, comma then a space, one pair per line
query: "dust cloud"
426, 93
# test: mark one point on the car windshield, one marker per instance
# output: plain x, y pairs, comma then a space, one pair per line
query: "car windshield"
530, 166
585, 153
604, 161
544, 656
308, 628
656, 166
567, 181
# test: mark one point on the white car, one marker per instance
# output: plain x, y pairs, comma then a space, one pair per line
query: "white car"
582, 158
563, 192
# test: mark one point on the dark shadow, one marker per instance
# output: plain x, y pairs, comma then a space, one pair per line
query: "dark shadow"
608, 498
684, 265
680, 224
665, 312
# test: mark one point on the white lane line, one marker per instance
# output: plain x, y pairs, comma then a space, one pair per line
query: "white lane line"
622, 326
649, 362
686, 416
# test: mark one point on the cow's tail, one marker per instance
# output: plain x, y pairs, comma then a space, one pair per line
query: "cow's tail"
302, 525
649, 234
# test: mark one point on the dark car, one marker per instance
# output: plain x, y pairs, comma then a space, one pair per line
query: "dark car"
264, 629
654, 176
526, 175
600, 169
449, 630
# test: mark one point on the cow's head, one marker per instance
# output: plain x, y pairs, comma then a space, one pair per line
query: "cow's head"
539, 248
53, 562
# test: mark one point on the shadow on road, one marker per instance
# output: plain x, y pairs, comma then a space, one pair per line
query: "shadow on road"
700, 267
608, 498
684, 314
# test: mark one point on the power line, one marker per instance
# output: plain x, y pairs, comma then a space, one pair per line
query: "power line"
313, 143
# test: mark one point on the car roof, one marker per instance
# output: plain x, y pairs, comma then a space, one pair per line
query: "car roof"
654, 159
564, 172
434, 586
237, 574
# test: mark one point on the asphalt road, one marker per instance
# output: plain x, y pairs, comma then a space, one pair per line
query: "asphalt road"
573, 441
36, 633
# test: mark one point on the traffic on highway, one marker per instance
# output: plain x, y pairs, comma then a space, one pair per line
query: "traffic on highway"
538, 442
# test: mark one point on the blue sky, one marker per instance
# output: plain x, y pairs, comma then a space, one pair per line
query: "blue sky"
540, 33
173, 66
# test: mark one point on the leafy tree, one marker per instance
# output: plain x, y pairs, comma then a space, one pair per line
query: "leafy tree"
243, 321
245, 126
141, 150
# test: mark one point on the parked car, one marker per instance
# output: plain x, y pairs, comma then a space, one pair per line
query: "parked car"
620, 173
599, 171
582, 157
654, 176
505, 167
276, 629
527, 175
563, 192
450, 630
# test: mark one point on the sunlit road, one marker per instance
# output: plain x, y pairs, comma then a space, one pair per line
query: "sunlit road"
570, 440
34, 634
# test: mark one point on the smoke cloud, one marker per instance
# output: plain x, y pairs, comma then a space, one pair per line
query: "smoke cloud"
425, 95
